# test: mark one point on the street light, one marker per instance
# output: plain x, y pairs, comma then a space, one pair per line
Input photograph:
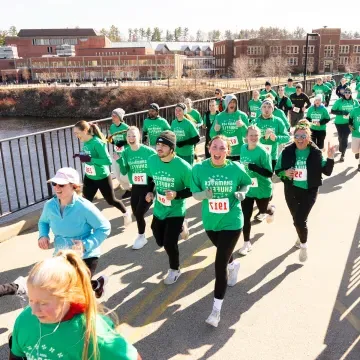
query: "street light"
306, 53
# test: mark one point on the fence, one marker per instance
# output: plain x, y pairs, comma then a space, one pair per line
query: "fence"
28, 161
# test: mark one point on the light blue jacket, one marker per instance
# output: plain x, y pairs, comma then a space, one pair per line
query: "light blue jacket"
81, 220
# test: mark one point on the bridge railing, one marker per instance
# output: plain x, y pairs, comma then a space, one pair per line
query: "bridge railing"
28, 161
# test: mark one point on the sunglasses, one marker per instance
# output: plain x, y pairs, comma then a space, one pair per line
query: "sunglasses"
302, 136
347, 92
217, 93
54, 184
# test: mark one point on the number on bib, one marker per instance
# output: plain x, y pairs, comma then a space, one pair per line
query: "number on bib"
300, 175
118, 148
163, 200
346, 116
90, 170
219, 206
316, 122
268, 148
296, 109
233, 140
139, 179
253, 114
254, 183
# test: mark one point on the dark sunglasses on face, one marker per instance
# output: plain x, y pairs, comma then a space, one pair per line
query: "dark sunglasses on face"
54, 184
347, 92
302, 136
217, 93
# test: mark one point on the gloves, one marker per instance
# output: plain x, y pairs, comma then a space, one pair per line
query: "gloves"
83, 157
202, 195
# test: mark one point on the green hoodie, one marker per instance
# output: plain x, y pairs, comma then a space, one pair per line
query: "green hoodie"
348, 77
263, 94
254, 106
355, 122
315, 114
154, 127
322, 90
279, 114
342, 109
196, 116
289, 90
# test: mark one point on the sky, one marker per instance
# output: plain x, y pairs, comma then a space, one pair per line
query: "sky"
168, 14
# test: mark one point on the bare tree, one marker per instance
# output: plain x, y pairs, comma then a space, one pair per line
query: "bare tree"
353, 65
195, 73
168, 70
243, 70
73, 74
276, 68
25, 73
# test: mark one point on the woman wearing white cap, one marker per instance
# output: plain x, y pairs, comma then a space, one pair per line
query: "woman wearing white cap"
75, 222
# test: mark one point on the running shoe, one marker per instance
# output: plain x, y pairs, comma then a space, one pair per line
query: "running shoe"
185, 230
303, 255
214, 318
127, 219
172, 277
100, 290
140, 242
297, 243
22, 287
342, 158
233, 274
271, 217
357, 156
246, 248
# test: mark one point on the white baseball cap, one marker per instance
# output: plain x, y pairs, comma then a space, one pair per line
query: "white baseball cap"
65, 176
318, 97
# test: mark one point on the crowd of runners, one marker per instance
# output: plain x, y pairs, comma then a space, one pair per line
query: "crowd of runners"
279, 134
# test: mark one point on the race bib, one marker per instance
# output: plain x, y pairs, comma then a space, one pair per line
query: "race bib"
253, 114
118, 148
90, 170
300, 174
296, 109
316, 122
233, 140
163, 200
219, 206
254, 183
139, 179
268, 148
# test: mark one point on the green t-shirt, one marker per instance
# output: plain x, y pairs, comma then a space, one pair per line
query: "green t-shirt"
223, 211
333, 82
348, 77
196, 116
174, 175
98, 167
184, 130
263, 94
357, 79
355, 116
279, 114
228, 128
278, 128
329, 84
344, 105
154, 127
134, 164
67, 342
119, 137
289, 90
315, 114
261, 187
254, 106
321, 90
357, 88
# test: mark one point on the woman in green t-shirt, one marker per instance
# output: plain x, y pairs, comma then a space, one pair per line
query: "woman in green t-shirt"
300, 167
63, 320
257, 162
221, 184
96, 160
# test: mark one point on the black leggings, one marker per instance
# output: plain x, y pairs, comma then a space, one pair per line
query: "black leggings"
300, 203
343, 131
139, 205
106, 188
247, 206
318, 137
92, 264
225, 242
166, 233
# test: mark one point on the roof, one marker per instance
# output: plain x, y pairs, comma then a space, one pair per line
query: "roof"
56, 32
171, 45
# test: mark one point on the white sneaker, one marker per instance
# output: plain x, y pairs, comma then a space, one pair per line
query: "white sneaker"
172, 277
22, 287
185, 232
246, 248
233, 274
127, 219
261, 217
140, 242
303, 255
214, 318
297, 243
271, 218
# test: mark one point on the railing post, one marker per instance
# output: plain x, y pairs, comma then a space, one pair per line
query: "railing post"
46, 162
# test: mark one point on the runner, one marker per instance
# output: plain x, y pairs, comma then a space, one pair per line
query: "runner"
220, 101
318, 116
193, 113
342, 109
331, 84
321, 89
153, 126
290, 88
172, 177
357, 89
209, 119
284, 103
254, 105
300, 102
349, 77
62, 320
96, 159
75, 222
187, 135
357, 79
354, 122
268, 90
258, 166
278, 113
231, 123
133, 163
118, 139
221, 185
341, 88
300, 167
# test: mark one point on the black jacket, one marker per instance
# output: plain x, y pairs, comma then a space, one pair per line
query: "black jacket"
340, 90
313, 165
300, 100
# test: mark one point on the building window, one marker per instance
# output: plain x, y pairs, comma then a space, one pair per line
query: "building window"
329, 50
50, 49
357, 49
275, 50
255, 50
255, 61
292, 61
343, 60
293, 49
357, 59
56, 41
310, 60
344, 49
311, 49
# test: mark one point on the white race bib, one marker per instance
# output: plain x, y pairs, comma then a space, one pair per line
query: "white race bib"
233, 140
316, 122
163, 200
139, 179
219, 206
118, 148
268, 148
296, 109
254, 183
300, 175
90, 170
253, 114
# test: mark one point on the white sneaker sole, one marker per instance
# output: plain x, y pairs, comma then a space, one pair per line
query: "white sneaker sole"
173, 282
211, 322
244, 252
141, 246
303, 256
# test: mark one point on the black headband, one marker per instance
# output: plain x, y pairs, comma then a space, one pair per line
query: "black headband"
166, 141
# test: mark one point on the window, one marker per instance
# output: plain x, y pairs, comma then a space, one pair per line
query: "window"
310, 60
344, 49
292, 61
255, 50
56, 41
357, 59
70, 41
357, 49
255, 61
275, 50
50, 49
311, 49
343, 60
293, 49
329, 50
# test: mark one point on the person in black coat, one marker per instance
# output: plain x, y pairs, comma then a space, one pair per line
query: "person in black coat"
341, 88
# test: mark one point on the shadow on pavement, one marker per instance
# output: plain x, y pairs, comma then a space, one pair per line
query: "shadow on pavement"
342, 339
336, 182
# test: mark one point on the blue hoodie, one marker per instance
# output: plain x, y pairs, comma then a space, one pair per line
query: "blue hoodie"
81, 220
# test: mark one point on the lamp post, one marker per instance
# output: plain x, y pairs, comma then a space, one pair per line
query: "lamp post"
306, 54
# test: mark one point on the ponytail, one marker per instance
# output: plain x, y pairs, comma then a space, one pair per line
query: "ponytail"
92, 129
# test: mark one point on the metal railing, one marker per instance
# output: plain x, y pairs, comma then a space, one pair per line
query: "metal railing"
28, 161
